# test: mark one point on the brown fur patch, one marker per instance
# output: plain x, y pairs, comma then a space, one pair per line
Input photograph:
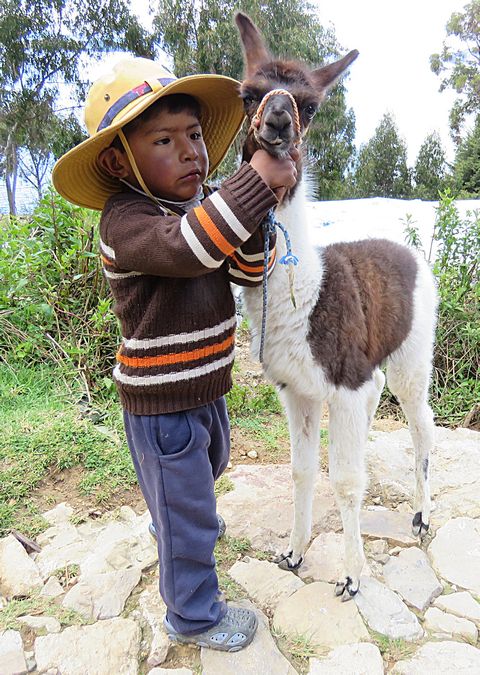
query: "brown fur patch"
365, 308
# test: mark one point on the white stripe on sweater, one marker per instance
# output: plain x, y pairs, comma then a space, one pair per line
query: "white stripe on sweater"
121, 275
107, 250
149, 380
168, 340
196, 246
250, 257
227, 214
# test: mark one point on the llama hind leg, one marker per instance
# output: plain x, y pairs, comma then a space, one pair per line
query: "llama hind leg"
304, 426
349, 413
411, 390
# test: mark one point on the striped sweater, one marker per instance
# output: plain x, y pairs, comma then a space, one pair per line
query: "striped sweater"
170, 278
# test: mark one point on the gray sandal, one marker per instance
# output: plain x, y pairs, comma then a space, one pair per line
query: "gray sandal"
222, 526
234, 632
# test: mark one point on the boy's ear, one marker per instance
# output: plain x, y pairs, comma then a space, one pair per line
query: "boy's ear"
114, 162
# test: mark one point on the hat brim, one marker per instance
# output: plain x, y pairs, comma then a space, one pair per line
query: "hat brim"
77, 175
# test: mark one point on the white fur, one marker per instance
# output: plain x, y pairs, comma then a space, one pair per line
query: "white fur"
288, 360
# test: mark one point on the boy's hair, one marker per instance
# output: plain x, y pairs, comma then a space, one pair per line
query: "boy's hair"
175, 103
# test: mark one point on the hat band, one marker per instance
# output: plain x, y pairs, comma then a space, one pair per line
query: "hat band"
127, 98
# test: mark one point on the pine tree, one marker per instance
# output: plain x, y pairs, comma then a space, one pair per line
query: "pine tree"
430, 168
467, 163
381, 169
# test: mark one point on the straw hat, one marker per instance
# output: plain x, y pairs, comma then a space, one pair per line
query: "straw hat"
121, 95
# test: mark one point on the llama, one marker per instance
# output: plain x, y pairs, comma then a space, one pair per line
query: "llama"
357, 305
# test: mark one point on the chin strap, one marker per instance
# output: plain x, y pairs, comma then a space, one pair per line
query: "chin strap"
134, 166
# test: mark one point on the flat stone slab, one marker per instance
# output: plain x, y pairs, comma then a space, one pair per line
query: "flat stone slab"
324, 559
264, 581
41, 623
385, 612
455, 553
262, 656
61, 513
454, 470
441, 658
442, 624
393, 526
315, 612
105, 647
260, 507
153, 610
460, 604
170, 671
362, 658
102, 596
12, 657
412, 577
19, 575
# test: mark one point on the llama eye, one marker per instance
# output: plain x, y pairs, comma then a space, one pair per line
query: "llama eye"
310, 111
248, 100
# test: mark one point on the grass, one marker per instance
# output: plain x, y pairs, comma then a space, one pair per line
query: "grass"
227, 551
393, 649
298, 647
36, 606
43, 433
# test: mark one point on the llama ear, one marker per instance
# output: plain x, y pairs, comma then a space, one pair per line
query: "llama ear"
326, 77
254, 50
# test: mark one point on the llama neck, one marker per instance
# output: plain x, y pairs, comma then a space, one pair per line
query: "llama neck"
294, 217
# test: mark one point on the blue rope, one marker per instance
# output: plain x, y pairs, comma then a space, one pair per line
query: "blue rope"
269, 225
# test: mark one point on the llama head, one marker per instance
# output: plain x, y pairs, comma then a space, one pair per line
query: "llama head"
280, 120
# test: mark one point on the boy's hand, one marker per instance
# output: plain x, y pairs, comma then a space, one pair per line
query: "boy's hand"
278, 174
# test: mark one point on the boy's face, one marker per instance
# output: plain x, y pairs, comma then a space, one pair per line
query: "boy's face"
170, 154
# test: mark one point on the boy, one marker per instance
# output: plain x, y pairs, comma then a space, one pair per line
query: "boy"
170, 248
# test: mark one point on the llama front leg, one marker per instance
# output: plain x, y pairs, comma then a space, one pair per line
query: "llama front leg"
348, 428
304, 426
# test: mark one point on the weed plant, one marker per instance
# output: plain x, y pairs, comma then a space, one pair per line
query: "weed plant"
456, 377
54, 301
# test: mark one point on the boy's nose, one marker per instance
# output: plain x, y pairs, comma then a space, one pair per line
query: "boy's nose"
188, 150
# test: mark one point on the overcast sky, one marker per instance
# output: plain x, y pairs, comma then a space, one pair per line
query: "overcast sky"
395, 39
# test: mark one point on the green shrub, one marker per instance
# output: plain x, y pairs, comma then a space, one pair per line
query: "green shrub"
54, 300
456, 382
456, 375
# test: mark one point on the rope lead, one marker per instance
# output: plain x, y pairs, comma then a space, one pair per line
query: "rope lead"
269, 226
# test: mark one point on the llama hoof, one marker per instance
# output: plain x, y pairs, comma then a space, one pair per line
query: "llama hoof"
419, 528
285, 561
346, 589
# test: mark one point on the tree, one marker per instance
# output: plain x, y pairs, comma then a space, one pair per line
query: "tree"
43, 45
201, 37
459, 64
381, 169
430, 168
467, 163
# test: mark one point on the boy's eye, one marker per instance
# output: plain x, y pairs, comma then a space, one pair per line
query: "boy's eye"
162, 141
196, 135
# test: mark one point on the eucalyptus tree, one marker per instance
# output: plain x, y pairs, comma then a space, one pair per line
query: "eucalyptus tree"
43, 46
458, 64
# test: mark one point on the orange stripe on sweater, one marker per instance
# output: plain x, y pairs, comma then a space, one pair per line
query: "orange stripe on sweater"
213, 232
171, 359
254, 268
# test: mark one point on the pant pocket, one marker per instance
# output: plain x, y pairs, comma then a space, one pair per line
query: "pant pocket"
173, 433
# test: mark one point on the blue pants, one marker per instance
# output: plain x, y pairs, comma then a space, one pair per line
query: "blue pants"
177, 457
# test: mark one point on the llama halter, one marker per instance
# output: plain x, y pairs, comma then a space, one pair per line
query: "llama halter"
257, 118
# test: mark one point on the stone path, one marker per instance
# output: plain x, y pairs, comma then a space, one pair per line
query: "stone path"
418, 609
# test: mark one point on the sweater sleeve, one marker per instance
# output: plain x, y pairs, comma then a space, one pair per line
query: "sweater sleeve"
136, 239
247, 261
